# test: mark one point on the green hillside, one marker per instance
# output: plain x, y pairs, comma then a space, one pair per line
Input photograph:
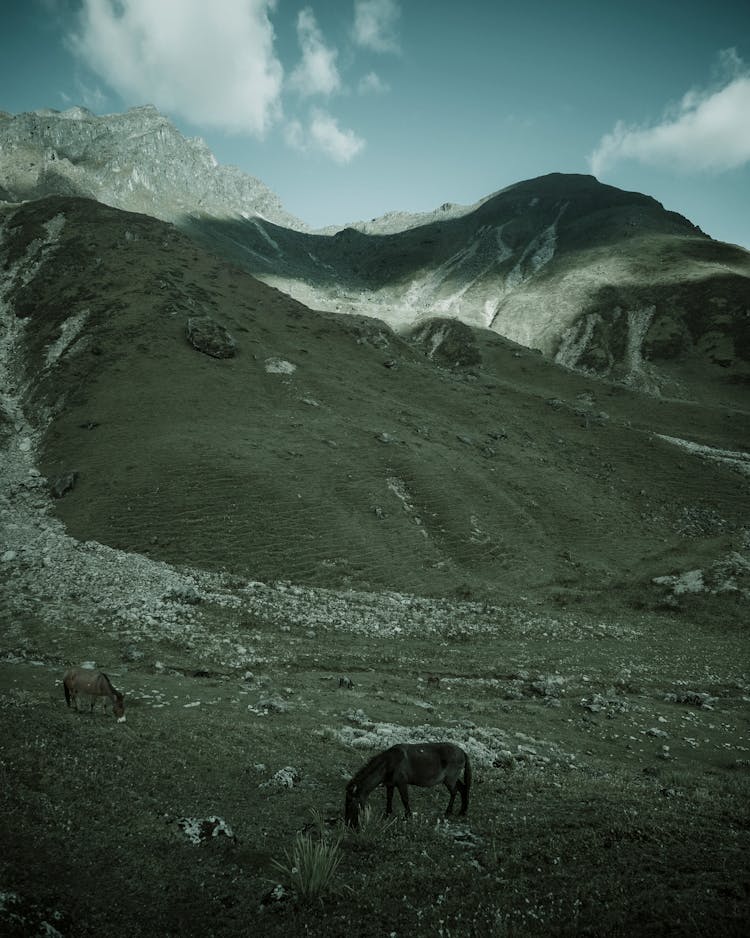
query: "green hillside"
371, 464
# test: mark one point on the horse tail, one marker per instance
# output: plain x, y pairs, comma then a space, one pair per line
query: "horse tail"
66, 689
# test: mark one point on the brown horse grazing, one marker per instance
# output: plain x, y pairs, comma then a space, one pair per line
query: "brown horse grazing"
421, 764
94, 683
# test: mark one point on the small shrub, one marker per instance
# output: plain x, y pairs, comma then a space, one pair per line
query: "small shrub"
311, 867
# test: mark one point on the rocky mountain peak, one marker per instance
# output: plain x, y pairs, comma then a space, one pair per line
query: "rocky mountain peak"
602, 280
136, 161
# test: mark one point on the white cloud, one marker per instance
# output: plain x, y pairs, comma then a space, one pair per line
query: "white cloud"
90, 96
324, 135
375, 24
294, 134
341, 145
213, 64
317, 72
372, 83
709, 130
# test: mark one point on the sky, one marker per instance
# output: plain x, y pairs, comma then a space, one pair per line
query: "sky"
348, 109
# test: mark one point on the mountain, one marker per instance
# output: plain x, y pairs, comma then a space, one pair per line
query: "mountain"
136, 161
327, 449
295, 537
603, 281
465, 439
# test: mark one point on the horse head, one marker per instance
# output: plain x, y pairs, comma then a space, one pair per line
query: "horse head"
118, 706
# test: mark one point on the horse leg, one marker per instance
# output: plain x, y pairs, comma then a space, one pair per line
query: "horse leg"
403, 790
464, 789
388, 799
452, 790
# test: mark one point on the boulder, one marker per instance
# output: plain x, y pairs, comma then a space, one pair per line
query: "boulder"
63, 483
207, 336
448, 342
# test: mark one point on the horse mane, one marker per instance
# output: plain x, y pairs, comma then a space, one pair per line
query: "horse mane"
367, 769
109, 683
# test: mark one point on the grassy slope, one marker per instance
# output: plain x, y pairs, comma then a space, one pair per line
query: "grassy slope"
223, 464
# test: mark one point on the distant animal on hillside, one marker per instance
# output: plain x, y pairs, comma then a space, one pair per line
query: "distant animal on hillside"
420, 764
94, 683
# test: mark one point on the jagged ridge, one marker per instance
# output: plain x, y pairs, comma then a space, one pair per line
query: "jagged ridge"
604, 281
136, 161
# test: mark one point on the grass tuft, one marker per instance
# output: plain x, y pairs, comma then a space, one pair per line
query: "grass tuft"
311, 867
373, 826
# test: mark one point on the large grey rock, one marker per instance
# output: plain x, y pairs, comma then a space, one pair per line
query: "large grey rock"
64, 483
448, 342
209, 337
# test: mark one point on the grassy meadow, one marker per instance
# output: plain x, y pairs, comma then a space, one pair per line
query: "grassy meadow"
611, 777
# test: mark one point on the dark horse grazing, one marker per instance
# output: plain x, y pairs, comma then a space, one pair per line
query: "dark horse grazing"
421, 764
94, 683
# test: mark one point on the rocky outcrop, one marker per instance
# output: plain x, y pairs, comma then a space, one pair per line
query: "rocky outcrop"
448, 342
136, 161
729, 574
208, 336
63, 484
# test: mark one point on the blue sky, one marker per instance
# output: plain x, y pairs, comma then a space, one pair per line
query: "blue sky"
351, 108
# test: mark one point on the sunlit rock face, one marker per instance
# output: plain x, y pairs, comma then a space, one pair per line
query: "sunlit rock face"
136, 161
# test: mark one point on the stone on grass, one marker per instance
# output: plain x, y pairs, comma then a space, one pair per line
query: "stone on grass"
693, 699
273, 705
207, 336
279, 366
63, 483
285, 778
200, 830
